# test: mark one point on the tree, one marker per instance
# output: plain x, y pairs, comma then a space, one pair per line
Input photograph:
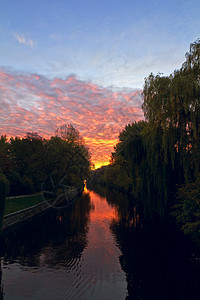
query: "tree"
69, 133
76, 155
5, 162
187, 210
26, 174
173, 103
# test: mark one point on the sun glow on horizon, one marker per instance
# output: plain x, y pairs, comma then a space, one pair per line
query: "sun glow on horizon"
101, 164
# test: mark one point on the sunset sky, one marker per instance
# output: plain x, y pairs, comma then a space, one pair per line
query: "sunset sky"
84, 62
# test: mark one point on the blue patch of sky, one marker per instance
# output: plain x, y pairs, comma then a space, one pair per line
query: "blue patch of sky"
110, 42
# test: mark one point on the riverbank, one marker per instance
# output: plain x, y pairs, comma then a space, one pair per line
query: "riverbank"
17, 203
20, 217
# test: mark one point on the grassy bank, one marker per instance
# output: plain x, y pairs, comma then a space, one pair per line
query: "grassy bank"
17, 203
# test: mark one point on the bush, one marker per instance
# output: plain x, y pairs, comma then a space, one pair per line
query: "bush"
187, 211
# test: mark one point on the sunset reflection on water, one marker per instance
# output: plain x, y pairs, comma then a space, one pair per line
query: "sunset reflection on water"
100, 209
71, 254
101, 255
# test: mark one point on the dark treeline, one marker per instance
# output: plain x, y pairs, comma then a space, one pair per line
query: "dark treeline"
158, 160
26, 162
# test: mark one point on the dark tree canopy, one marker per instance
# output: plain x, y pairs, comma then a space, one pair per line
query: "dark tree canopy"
26, 162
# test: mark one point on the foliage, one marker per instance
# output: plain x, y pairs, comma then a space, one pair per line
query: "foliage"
173, 103
27, 161
187, 210
138, 158
69, 133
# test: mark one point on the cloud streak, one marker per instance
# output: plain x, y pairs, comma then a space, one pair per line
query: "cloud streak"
31, 102
23, 40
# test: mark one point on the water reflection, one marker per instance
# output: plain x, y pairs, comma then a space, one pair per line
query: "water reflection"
159, 262
50, 229
66, 254
53, 241
101, 257
100, 248
122, 203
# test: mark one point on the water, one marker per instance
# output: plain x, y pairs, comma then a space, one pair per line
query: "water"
67, 255
99, 248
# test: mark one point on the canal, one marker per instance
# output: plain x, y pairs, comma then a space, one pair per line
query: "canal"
99, 248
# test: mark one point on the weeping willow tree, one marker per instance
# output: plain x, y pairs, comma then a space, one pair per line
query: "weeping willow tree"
164, 151
173, 104
140, 154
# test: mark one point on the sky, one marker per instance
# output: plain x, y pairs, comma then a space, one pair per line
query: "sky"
83, 62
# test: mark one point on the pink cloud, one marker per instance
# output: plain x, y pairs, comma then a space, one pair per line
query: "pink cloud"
31, 102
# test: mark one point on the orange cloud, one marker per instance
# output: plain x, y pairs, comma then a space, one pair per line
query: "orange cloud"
31, 102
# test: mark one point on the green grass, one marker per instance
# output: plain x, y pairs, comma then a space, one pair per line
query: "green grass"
15, 204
